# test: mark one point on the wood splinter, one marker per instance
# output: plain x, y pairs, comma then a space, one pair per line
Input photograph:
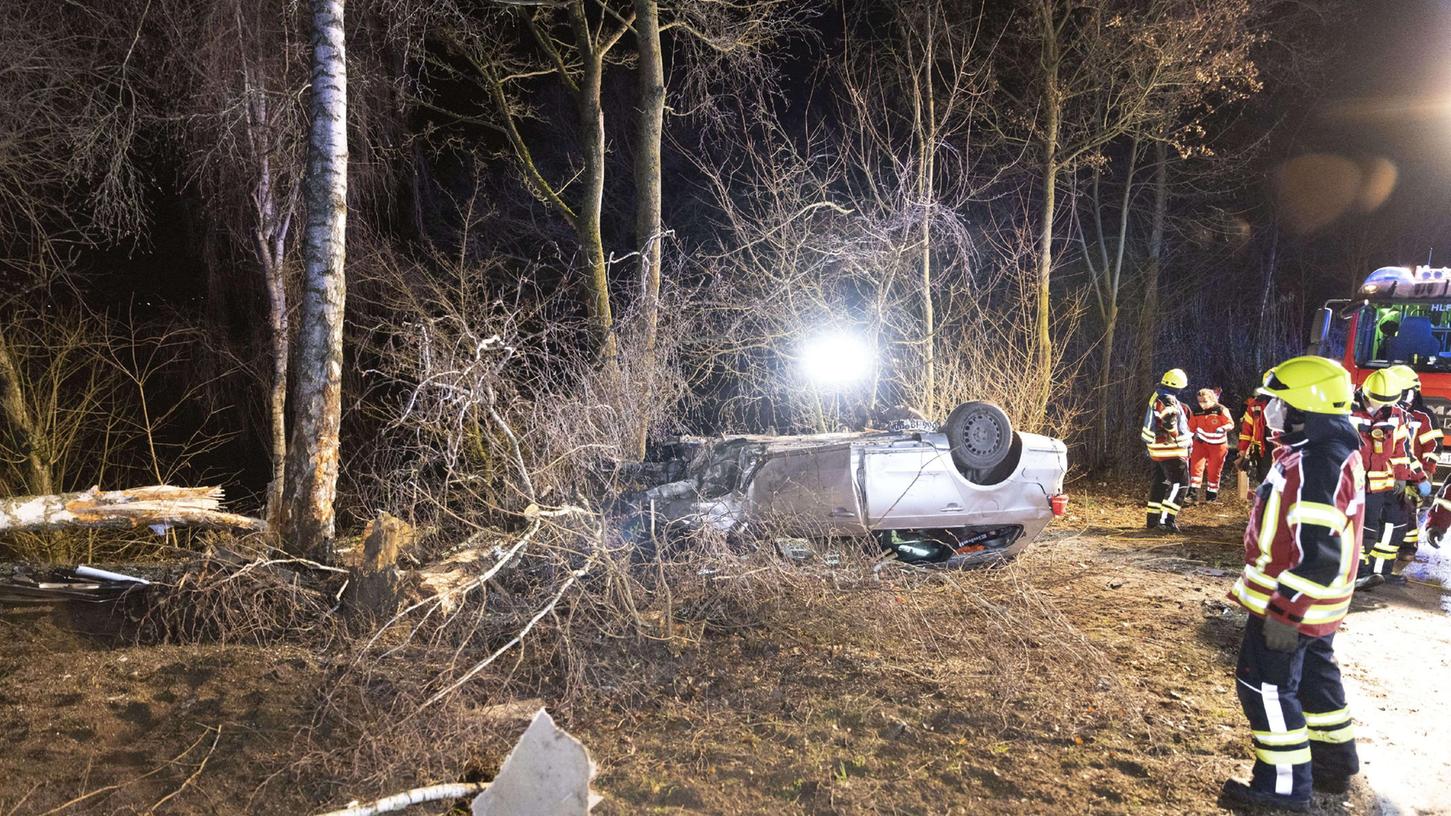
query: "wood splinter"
155, 505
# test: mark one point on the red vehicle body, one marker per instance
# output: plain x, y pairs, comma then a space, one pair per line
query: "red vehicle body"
1402, 315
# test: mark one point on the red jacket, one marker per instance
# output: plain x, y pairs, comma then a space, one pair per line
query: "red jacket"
1425, 440
1302, 545
1385, 447
1211, 426
1252, 428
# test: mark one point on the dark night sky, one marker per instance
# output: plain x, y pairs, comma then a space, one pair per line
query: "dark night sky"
1388, 93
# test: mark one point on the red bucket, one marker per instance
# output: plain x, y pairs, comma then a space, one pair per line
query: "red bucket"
1059, 503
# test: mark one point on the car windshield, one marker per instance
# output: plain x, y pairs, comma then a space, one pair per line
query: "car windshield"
1418, 334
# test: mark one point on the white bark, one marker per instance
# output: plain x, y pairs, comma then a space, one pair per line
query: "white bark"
407, 799
123, 509
312, 466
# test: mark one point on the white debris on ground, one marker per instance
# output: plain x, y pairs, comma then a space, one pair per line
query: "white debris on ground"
547, 774
1395, 651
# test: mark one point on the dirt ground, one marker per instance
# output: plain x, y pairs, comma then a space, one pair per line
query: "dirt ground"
1114, 694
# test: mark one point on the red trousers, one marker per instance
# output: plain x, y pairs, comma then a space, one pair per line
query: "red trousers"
1210, 457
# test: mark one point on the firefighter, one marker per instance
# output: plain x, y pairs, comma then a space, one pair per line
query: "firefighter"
1425, 440
1296, 585
1211, 425
1389, 468
1166, 437
1254, 447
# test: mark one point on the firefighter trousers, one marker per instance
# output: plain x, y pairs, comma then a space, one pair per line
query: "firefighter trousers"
1296, 708
1387, 520
1166, 493
1206, 465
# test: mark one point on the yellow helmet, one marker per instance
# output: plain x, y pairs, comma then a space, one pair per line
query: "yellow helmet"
1312, 384
1407, 375
1383, 387
1175, 378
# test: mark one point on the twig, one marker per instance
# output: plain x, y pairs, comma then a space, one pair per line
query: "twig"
417, 796
482, 664
108, 788
194, 774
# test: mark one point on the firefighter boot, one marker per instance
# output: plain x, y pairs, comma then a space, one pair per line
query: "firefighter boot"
1367, 578
1191, 496
1211, 495
1239, 796
1172, 525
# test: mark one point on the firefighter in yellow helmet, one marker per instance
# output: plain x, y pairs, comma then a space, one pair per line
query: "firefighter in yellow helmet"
1425, 441
1390, 467
1167, 439
1296, 584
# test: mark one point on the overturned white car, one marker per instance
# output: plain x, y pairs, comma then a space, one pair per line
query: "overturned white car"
972, 492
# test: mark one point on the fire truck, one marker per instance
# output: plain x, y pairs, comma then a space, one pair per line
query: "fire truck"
1401, 315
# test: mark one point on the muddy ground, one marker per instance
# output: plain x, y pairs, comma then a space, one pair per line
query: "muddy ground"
1093, 676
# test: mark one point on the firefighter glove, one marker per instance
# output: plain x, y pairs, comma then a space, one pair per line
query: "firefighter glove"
1433, 536
1281, 636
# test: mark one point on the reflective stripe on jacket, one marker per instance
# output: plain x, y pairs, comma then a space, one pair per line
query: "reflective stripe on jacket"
1425, 440
1302, 545
1385, 448
1211, 426
1252, 427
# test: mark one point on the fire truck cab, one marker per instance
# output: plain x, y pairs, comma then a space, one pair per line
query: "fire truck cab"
1401, 315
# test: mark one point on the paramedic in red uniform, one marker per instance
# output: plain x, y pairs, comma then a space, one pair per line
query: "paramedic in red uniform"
1211, 425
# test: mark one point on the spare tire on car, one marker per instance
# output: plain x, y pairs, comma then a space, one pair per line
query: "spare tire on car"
981, 440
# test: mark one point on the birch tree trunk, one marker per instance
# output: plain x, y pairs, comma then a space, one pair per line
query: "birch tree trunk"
135, 507
591, 204
21, 424
273, 209
312, 456
1108, 408
1053, 112
1149, 319
648, 226
926, 96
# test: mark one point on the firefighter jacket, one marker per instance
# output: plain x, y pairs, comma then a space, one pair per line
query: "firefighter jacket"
1425, 439
1302, 545
1166, 431
1252, 428
1386, 448
1440, 516
1211, 426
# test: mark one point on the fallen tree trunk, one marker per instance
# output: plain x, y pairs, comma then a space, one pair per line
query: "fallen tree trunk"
162, 505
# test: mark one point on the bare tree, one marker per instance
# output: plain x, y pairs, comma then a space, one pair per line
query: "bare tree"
240, 113
1091, 73
912, 100
312, 467
571, 45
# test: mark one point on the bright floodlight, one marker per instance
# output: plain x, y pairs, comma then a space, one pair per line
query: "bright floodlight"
836, 359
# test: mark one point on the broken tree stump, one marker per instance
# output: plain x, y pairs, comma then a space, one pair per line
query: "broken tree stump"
374, 585
157, 505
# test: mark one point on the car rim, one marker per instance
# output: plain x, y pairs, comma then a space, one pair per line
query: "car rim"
981, 436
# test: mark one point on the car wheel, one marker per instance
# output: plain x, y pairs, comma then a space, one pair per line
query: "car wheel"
980, 435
